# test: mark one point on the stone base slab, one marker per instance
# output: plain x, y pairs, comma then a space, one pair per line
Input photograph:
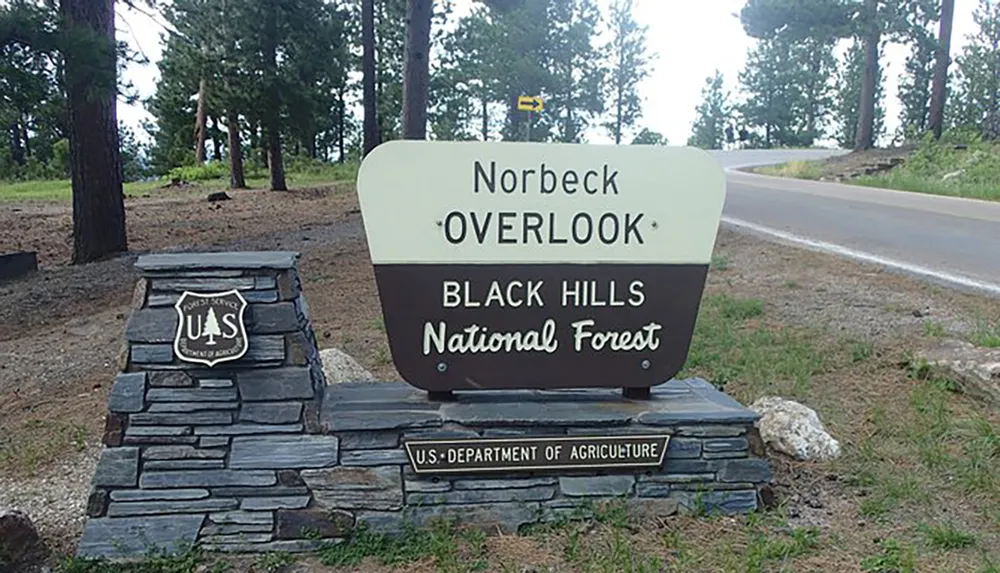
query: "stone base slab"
280, 491
708, 465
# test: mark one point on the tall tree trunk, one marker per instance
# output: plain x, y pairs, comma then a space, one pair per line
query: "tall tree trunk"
368, 73
381, 61
619, 90
939, 85
16, 150
25, 139
217, 144
416, 72
199, 124
865, 137
619, 105
341, 124
253, 127
272, 107
236, 179
486, 119
991, 129
95, 163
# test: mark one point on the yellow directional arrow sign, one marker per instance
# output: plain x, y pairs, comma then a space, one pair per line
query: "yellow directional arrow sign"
530, 103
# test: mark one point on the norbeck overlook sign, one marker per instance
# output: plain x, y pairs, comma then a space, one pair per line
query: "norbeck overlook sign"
528, 265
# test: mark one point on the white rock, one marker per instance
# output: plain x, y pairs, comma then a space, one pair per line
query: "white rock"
975, 369
791, 428
339, 367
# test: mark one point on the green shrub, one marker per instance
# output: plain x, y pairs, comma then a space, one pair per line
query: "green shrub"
208, 171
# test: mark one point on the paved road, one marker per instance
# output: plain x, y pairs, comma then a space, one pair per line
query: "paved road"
942, 239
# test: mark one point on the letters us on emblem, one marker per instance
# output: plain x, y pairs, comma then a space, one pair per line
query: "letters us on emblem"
210, 327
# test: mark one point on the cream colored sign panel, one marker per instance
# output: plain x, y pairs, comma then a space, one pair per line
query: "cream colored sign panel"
506, 203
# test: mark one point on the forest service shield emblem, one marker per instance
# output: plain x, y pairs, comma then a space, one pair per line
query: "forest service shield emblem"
211, 328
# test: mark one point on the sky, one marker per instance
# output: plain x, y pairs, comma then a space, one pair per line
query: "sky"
689, 41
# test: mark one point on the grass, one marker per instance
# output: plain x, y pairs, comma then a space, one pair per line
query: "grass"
60, 189
40, 442
919, 469
719, 262
933, 168
946, 536
986, 334
934, 329
442, 542
903, 181
728, 346
794, 169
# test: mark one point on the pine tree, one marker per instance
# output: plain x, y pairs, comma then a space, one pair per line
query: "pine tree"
390, 39
785, 88
522, 35
368, 71
628, 64
939, 84
869, 22
33, 105
847, 99
713, 115
472, 61
575, 75
417, 72
649, 137
464, 86
977, 98
915, 84
211, 327
95, 160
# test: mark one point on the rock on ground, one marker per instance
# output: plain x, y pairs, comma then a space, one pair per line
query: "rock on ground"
339, 367
19, 541
975, 369
793, 429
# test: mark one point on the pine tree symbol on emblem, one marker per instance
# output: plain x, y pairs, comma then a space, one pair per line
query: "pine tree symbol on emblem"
211, 327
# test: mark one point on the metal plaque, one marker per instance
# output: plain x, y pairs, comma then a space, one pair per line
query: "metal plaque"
211, 328
536, 454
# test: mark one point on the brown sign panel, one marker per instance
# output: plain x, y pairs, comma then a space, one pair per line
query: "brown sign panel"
210, 327
539, 326
536, 454
525, 265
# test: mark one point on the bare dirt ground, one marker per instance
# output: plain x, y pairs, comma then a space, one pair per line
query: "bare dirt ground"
61, 331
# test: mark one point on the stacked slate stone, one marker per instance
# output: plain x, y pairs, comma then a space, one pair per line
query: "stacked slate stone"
712, 463
212, 455
259, 455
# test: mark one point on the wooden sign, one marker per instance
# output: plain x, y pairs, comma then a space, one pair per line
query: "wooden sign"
529, 265
536, 454
530, 103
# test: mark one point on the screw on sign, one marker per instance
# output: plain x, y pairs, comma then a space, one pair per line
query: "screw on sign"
527, 265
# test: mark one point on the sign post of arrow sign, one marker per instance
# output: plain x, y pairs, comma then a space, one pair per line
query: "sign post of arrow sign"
530, 103
529, 265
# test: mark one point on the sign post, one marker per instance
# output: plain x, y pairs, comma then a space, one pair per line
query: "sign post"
530, 104
538, 266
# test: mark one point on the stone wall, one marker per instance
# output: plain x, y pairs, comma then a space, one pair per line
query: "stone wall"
259, 454
709, 466
211, 455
